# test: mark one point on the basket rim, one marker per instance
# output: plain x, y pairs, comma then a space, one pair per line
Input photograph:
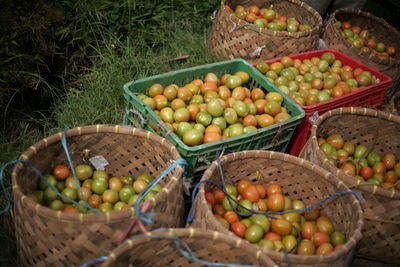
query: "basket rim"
386, 80
191, 233
181, 145
373, 189
332, 19
312, 11
311, 259
108, 217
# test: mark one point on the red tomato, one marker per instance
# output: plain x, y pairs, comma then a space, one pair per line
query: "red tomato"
238, 228
218, 195
210, 198
261, 190
230, 216
308, 229
219, 210
320, 238
272, 236
366, 172
275, 202
61, 172
242, 185
71, 209
251, 193
273, 189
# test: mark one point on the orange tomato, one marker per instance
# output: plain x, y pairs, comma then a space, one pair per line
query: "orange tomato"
211, 137
197, 82
230, 216
71, 209
272, 236
261, 190
213, 129
273, 189
242, 185
210, 198
193, 110
239, 229
281, 226
251, 193
208, 86
218, 195
275, 202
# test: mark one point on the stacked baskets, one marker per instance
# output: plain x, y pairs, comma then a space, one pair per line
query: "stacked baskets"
231, 37
379, 132
47, 237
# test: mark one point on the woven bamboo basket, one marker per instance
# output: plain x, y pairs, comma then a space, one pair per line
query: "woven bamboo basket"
205, 245
230, 39
46, 237
300, 179
378, 28
380, 132
394, 105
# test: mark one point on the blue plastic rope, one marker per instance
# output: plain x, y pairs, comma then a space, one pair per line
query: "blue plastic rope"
7, 195
71, 166
146, 217
99, 259
27, 163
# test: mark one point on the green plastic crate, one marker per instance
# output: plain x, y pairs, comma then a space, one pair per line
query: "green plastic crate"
199, 157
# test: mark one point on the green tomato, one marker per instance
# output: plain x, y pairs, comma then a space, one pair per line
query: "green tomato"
337, 238
226, 205
203, 118
215, 108
83, 171
373, 158
220, 121
360, 152
99, 186
126, 193
262, 221
231, 190
230, 115
254, 233
247, 204
57, 204
118, 206
50, 179
100, 174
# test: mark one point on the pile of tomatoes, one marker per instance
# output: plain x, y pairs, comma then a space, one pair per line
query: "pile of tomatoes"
315, 80
363, 40
268, 18
366, 166
102, 192
316, 232
213, 109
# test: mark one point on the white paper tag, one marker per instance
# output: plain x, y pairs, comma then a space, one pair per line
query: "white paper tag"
99, 162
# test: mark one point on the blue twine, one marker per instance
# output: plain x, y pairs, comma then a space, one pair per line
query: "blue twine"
99, 259
71, 166
7, 195
180, 245
146, 217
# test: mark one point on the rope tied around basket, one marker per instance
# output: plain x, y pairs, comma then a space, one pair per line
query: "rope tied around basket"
278, 133
142, 215
162, 126
142, 122
183, 248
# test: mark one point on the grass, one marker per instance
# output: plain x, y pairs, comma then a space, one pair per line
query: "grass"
178, 27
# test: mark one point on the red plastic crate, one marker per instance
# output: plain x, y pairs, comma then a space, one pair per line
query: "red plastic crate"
371, 96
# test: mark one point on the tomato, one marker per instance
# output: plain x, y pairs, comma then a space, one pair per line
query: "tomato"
83, 171
391, 177
170, 92
390, 50
306, 247
262, 221
324, 249
360, 151
210, 198
99, 174
233, 81
242, 185
312, 215
298, 204
275, 202
211, 77
57, 205
181, 114
308, 229
139, 186
335, 140
251, 194
348, 168
126, 193
366, 172
132, 200
273, 189
292, 217
281, 226
238, 228
272, 236
272, 108
247, 204
218, 195
389, 160
231, 190
218, 209
215, 108
260, 105
257, 93
211, 137
50, 179
289, 242
177, 104
324, 225
110, 196
115, 183
71, 209
155, 89
379, 167
68, 192
228, 204
254, 233
105, 207
373, 158
267, 244
184, 94
86, 192
231, 216
261, 191
61, 172
337, 238
193, 137
320, 238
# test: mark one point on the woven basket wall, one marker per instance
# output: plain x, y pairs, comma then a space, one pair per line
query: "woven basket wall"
380, 29
394, 105
46, 237
380, 132
299, 179
205, 245
229, 40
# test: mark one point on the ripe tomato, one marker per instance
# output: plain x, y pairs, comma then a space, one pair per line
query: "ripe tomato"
251, 193
95, 200
312, 215
389, 160
281, 226
308, 229
324, 225
324, 249
273, 189
391, 177
262, 205
71, 209
61, 172
320, 238
275, 202
306, 247
239, 229
230, 216
272, 236
261, 190
211, 137
218, 210
210, 198
242, 185
366, 172
218, 195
